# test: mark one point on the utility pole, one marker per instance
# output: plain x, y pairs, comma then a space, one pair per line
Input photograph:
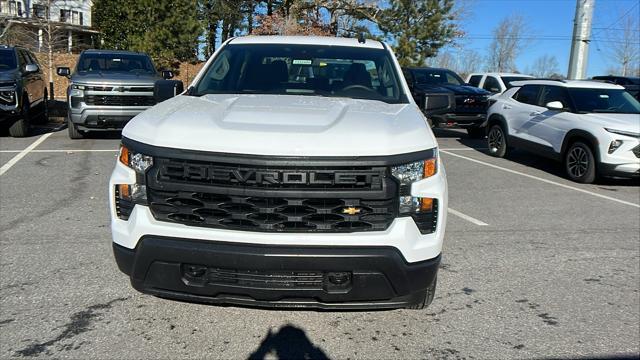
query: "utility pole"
581, 39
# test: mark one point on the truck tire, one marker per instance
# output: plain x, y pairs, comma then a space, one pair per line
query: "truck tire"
579, 163
74, 133
426, 297
20, 128
497, 141
476, 132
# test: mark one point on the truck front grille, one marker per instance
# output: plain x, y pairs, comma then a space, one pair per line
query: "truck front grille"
272, 213
471, 104
119, 100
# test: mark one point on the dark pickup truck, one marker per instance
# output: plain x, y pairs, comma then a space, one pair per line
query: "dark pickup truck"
471, 103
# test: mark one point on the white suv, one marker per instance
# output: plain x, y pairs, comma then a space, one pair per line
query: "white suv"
496, 83
593, 127
293, 172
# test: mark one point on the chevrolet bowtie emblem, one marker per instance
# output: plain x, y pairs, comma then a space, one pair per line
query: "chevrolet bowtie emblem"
351, 210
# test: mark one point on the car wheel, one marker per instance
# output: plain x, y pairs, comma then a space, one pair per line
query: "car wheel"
476, 132
426, 297
74, 133
497, 141
580, 163
20, 128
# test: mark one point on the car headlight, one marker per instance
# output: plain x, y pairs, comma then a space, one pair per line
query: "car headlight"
423, 210
623, 132
127, 195
8, 96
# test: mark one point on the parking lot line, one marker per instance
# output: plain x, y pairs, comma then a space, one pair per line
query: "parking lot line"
23, 153
544, 180
466, 217
62, 150
465, 149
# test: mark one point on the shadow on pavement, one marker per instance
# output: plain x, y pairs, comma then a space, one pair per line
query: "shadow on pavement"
289, 342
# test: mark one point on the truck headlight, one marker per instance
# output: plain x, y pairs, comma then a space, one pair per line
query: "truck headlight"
127, 195
423, 210
8, 96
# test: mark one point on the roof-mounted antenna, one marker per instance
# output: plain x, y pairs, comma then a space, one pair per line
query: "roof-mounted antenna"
361, 38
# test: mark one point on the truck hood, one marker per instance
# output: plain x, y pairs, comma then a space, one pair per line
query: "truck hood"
115, 78
624, 122
449, 88
8, 75
285, 125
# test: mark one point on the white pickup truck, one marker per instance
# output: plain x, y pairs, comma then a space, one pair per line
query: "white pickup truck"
293, 172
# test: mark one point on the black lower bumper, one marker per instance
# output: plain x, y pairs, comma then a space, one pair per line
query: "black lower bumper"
608, 170
459, 120
276, 276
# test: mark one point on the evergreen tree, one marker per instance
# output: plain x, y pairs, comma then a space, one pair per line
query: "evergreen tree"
111, 18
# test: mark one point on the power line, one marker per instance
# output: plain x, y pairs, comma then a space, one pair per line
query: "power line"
618, 20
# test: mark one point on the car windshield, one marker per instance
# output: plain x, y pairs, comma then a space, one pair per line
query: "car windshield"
508, 79
7, 60
333, 71
105, 62
604, 101
437, 76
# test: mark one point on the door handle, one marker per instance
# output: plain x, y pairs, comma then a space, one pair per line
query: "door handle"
535, 113
506, 107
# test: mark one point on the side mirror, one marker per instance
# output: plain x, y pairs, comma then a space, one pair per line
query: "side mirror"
555, 105
63, 71
31, 68
167, 74
166, 89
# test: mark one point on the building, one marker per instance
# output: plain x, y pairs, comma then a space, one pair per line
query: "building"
64, 24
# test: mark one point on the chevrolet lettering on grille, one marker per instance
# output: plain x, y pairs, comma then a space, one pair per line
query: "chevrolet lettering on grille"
224, 175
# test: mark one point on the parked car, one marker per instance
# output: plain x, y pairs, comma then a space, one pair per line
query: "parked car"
496, 83
267, 185
592, 127
108, 88
631, 84
470, 108
23, 91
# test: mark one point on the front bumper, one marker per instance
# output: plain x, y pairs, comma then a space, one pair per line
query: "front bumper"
318, 277
103, 117
459, 120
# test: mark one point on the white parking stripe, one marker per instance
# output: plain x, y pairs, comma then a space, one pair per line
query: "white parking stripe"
467, 217
544, 180
465, 149
23, 153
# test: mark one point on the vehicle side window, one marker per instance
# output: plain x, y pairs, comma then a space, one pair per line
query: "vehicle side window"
527, 94
491, 84
554, 93
22, 59
475, 80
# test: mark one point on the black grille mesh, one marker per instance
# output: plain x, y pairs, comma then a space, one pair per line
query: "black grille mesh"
276, 214
119, 100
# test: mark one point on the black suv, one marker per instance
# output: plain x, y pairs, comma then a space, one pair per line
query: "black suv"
23, 91
631, 84
470, 103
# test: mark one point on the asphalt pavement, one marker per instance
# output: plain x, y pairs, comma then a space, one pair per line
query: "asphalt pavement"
534, 266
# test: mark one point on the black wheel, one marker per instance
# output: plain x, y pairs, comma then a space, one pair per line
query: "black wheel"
426, 296
580, 163
476, 132
74, 133
20, 128
497, 141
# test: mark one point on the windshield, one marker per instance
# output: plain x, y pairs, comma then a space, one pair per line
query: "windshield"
333, 71
105, 62
437, 76
508, 79
7, 60
604, 101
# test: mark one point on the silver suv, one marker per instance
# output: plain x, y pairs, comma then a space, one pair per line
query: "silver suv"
108, 88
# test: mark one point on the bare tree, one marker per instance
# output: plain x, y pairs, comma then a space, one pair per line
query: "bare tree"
544, 66
506, 44
469, 61
444, 59
623, 47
